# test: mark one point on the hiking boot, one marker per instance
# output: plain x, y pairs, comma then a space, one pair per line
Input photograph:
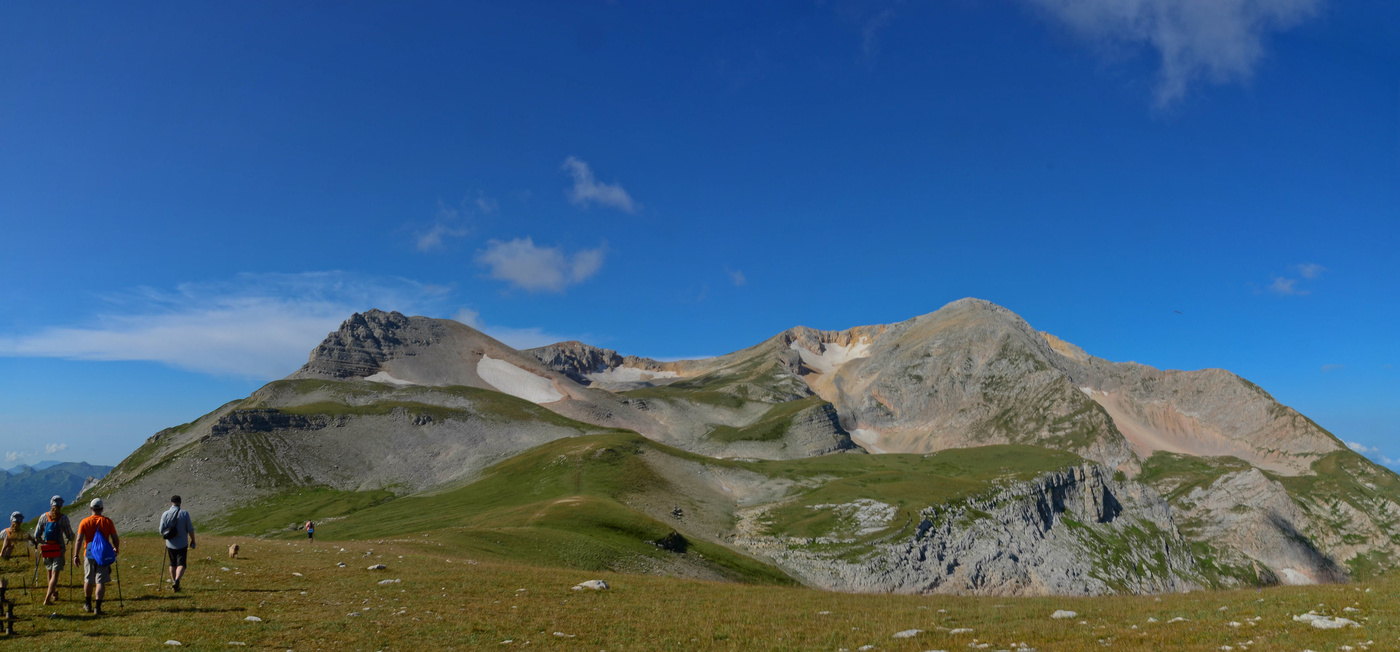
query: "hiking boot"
176, 586
98, 611
87, 607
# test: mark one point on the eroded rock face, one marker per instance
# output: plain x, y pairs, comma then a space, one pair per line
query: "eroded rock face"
1251, 518
364, 343
1075, 532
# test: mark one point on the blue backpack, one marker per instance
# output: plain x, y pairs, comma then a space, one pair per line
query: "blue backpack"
51, 532
100, 551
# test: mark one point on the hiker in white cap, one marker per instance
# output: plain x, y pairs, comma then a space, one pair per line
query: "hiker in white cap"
97, 535
53, 532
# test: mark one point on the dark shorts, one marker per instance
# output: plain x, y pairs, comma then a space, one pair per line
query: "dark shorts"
177, 556
310, 533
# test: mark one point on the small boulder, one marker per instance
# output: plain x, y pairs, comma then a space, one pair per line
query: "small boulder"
253, 619
596, 585
383, 582
173, 642
378, 567
1063, 613
908, 633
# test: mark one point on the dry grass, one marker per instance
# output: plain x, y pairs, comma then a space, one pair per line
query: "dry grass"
444, 601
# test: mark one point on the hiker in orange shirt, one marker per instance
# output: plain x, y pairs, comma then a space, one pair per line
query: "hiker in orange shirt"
96, 574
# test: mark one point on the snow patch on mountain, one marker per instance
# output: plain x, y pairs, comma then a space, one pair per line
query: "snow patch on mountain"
832, 356
384, 377
517, 382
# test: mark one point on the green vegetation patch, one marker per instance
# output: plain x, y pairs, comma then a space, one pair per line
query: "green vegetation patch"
284, 512
334, 398
559, 504
1176, 475
772, 426
909, 482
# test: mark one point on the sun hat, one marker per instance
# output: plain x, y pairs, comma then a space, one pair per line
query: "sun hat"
96, 503
56, 500
16, 516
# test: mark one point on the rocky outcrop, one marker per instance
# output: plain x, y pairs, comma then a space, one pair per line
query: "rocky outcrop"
576, 359
1252, 521
363, 344
264, 420
1074, 532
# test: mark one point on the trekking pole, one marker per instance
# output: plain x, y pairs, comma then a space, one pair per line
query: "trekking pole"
118, 564
70, 581
26, 557
160, 581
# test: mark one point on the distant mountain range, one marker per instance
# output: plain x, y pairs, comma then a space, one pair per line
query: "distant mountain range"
27, 488
961, 451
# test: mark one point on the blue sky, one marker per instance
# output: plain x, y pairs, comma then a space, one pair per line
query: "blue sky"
193, 194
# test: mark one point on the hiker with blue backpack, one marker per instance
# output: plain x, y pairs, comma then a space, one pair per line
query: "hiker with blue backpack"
97, 537
53, 532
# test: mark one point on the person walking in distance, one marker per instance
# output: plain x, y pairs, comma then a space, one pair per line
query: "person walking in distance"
310, 530
13, 535
53, 532
178, 532
97, 537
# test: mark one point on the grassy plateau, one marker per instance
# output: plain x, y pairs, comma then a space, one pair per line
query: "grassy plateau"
446, 600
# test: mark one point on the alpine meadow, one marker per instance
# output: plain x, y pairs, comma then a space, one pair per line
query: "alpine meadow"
605, 325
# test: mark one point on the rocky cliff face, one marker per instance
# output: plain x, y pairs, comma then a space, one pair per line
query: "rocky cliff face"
1074, 532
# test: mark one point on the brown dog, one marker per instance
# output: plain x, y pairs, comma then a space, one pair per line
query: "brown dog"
233, 551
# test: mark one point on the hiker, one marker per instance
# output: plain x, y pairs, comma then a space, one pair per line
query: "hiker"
53, 532
178, 532
310, 530
97, 536
13, 535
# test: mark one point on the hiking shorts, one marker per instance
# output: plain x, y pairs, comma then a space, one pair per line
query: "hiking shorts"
55, 563
178, 556
94, 573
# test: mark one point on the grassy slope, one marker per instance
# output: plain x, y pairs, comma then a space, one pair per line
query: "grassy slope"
910, 482
561, 503
1346, 477
446, 602
772, 426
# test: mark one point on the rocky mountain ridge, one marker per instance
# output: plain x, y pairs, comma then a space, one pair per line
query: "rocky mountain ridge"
1207, 470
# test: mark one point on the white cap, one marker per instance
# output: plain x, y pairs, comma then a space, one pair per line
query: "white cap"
96, 503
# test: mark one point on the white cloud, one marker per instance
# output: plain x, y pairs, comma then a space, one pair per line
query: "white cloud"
737, 277
258, 325
521, 263
587, 190
1219, 41
518, 338
870, 33
454, 222
1332, 367
49, 449
1310, 270
1286, 287
1361, 448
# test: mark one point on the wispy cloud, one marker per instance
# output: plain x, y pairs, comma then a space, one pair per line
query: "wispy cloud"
870, 33
519, 338
736, 277
526, 266
1372, 452
49, 449
1286, 287
454, 221
257, 325
1310, 270
1218, 41
1332, 367
588, 190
